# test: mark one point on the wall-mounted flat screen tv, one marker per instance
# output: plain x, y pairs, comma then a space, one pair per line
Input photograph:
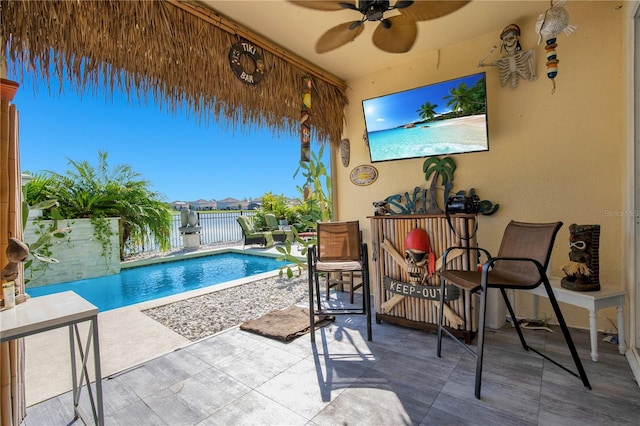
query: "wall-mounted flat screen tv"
444, 118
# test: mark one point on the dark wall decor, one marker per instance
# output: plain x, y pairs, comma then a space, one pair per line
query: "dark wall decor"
246, 49
424, 201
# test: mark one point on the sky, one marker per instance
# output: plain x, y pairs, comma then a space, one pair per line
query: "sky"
182, 159
397, 109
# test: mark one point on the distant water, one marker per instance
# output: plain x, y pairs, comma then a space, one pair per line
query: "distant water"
140, 284
436, 138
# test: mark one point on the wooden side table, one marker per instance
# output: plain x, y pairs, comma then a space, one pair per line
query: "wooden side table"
592, 301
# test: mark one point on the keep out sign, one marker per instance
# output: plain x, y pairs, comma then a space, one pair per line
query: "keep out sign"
430, 292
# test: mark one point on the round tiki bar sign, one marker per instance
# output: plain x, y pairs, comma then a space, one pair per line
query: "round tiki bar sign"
237, 55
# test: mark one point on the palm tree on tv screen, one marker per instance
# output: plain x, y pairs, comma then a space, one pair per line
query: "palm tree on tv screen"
467, 100
427, 111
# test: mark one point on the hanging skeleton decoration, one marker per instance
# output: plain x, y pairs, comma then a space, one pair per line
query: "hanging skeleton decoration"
516, 64
421, 262
548, 26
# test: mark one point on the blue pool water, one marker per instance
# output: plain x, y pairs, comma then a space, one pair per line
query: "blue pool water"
140, 284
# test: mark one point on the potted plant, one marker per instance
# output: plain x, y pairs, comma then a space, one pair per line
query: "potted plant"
277, 205
8, 89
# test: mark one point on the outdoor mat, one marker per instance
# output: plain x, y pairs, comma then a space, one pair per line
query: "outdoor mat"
286, 324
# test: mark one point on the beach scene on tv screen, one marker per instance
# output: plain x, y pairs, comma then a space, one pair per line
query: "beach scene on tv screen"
439, 119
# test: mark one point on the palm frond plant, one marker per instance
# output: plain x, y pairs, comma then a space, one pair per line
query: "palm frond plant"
99, 192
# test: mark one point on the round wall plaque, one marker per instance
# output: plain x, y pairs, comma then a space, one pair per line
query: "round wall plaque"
251, 51
364, 175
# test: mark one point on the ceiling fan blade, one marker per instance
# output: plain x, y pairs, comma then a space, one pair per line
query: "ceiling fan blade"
400, 4
399, 37
325, 5
337, 36
431, 9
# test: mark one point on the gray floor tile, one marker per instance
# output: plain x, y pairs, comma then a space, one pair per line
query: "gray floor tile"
138, 413
254, 409
467, 412
224, 346
306, 388
196, 398
239, 378
256, 366
51, 411
371, 406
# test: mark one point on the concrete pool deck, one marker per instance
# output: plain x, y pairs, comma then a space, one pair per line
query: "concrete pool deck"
128, 338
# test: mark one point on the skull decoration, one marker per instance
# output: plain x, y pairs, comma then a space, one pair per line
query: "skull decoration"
421, 262
380, 208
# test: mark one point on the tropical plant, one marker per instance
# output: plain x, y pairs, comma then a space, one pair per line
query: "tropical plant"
315, 205
40, 250
85, 191
443, 168
315, 193
277, 205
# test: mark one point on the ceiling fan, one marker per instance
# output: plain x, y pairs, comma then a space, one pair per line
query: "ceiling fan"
395, 34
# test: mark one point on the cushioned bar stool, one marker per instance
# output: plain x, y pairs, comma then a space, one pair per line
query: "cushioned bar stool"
339, 250
521, 264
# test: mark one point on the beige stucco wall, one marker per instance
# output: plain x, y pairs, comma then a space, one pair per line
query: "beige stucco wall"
552, 157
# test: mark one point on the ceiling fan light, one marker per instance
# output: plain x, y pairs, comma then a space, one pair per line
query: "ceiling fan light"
385, 23
375, 12
355, 25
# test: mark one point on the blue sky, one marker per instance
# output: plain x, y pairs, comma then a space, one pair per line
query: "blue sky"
397, 109
182, 159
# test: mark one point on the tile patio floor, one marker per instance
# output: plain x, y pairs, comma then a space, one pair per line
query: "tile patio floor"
239, 378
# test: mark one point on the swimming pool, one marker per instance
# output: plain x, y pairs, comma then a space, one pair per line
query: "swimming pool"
144, 283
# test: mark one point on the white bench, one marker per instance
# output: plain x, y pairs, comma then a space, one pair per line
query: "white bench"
592, 301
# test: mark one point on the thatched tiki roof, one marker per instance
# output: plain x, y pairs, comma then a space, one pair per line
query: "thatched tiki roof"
156, 47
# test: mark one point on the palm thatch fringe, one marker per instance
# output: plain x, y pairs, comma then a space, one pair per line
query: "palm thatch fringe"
154, 47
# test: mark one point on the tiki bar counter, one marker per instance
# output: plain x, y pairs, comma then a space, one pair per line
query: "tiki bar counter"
405, 282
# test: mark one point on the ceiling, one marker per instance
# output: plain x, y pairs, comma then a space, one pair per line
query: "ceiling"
296, 29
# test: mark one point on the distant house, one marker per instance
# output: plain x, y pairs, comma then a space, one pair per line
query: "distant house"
254, 205
228, 204
202, 204
178, 205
